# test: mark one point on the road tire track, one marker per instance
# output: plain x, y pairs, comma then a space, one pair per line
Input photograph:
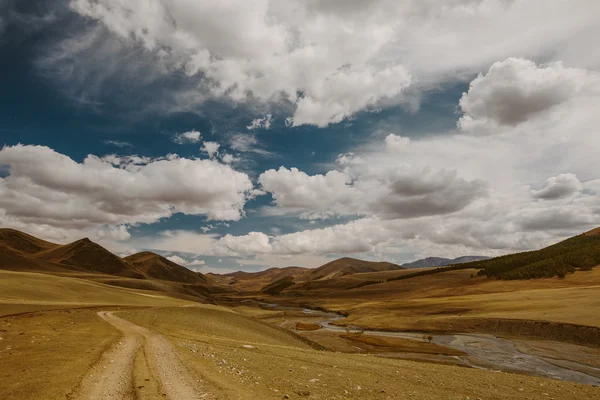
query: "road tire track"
112, 378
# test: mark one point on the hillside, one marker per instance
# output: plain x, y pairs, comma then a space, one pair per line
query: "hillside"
579, 252
156, 266
442, 262
346, 265
86, 255
23, 242
13, 260
18, 249
271, 274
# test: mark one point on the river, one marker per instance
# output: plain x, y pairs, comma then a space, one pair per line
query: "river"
484, 351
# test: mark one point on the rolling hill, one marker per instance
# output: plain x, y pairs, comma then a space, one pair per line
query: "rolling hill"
579, 252
441, 261
20, 251
271, 274
88, 256
23, 242
347, 265
155, 266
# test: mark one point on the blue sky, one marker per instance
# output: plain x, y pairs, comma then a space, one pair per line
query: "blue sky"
380, 132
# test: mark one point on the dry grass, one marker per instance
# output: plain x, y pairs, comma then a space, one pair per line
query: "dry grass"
278, 365
212, 323
307, 326
44, 355
56, 348
26, 288
432, 302
382, 344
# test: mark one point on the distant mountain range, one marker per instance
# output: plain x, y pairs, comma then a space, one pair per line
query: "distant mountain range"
22, 252
442, 262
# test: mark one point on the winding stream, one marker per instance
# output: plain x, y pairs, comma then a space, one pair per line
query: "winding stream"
484, 351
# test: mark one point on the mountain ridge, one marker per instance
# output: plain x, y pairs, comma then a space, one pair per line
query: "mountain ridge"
428, 262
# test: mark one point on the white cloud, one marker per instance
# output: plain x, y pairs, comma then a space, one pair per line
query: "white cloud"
397, 143
514, 90
118, 143
185, 262
349, 90
177, 241
192, 136
558, 187
252, 243
48, 189
261, 123
457, 193
211, 149
228, 158
328, 59
177, 260
248, 143
394, 191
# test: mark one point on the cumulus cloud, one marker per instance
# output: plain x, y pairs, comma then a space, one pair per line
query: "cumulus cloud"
228, 158
185, 262
210, 148
453, 194
192, 136
177, 260
48, 188
397, 143
514, 90
394, 192
558, 187
261, 123
294, 189
252, 243
329, 60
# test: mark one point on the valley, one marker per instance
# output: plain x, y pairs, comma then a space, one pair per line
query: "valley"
76, 319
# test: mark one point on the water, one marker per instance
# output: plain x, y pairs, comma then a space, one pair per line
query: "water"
484, 351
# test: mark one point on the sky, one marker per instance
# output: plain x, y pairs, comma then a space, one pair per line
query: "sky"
242, 135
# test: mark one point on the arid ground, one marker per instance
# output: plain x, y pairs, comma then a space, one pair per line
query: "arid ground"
68, 332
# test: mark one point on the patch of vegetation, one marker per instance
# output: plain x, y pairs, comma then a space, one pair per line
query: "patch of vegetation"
432, 271
579, 252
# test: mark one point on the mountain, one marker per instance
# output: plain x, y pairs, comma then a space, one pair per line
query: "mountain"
346, 265
579, 252
24, 243
271, 274
155, 266
13, 260
18, 249
86, 255
441, 262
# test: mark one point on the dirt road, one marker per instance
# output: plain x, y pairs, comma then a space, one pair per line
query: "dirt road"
142, 365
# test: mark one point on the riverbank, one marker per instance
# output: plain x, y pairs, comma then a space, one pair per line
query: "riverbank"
477, 350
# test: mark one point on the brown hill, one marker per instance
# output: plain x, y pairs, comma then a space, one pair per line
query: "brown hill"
345, 266
593, 232
13, 260
271, 274
89, 256
155, 266
24, 243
